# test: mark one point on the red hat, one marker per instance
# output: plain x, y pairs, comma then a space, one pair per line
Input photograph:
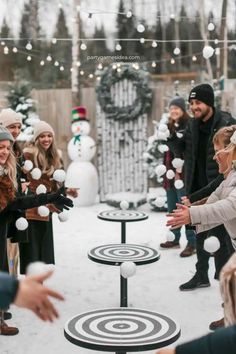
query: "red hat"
78, 113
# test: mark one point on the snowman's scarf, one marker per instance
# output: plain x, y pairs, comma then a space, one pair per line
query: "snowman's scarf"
77, 138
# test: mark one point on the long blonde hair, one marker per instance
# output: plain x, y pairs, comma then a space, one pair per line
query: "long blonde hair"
48, 161
10, 167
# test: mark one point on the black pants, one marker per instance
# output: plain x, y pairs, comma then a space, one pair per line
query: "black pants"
220, 257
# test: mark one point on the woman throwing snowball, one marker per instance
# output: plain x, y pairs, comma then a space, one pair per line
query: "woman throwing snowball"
220, 207
45, 160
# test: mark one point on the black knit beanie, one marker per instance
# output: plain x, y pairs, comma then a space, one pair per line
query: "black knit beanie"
179, 102
203, 93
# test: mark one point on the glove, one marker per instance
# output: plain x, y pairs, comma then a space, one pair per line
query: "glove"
60, 201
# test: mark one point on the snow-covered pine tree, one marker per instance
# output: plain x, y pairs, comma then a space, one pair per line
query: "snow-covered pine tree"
19, 98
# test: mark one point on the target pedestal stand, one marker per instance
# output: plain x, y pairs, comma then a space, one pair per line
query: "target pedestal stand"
116, 254
122, 216
121, 330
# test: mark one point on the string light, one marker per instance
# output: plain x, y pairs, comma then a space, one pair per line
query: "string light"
81, 72
172, 16
194, 58
118, 70
154, 44
56, 63
129, 14
114, 66
176, 51
15, 50
118, 46
71, 69
42, 62
3, 43
83, 46
78, 63
49, 58
6, 50
142, 40
140, 28
172, 61
29, 58
154, 64
211, 26
90, 76
28, 46
54, 40
100, 66
61, 68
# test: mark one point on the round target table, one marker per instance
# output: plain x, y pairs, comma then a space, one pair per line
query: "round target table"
121, 330
115, 254
122, 216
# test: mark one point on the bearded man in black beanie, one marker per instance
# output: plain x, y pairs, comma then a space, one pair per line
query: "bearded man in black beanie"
202, 176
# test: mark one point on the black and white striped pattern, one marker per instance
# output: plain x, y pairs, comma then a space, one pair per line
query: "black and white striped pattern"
122, 215
115, 254
121, 329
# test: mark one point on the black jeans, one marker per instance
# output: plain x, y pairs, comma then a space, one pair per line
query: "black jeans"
220, 257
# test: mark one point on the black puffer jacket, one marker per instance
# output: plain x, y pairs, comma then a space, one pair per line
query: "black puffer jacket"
189, 146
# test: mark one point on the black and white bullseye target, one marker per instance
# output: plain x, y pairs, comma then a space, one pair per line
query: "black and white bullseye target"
115, 254
121, 329
122, 215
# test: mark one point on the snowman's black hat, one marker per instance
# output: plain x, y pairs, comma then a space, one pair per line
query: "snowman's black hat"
78, 114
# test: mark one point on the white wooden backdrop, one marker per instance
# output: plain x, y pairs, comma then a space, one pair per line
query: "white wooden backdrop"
120, 147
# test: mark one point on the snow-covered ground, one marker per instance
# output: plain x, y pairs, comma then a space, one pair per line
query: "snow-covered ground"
87, 285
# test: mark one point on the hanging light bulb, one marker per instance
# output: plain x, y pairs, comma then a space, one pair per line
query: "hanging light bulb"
114, 66
176, 51
172, 61
140, 28
129, 14
172, 16
42, 62
81, 72
3, 43
142, 40
15, 50
83, 46
6, 50
49, 58
154, 64
71, 69
29, 58
54, 40
211, 26
91, 76
208, 51
62, 68
56, 63
78, 63
118, 46
28, 46
216, 41
154, 44
194, 58
100, 66
98, 78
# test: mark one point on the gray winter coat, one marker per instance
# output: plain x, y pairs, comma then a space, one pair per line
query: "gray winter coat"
220, 208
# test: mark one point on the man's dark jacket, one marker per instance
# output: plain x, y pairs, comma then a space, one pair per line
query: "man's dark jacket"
189, 145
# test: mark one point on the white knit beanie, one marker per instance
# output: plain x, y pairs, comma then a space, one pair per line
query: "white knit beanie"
42, 127
5, 134
9, 117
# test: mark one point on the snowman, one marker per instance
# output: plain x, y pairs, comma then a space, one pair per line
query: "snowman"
81, 173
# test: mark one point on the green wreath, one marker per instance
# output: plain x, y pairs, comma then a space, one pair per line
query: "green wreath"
143, 100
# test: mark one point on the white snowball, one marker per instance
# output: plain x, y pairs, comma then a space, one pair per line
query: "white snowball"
124, 204
170, 236
63, 216
160, 202
127, 269
41, 189
36, 173
162, 128
43, 210
170, 174
208, 51
21, 224
36, 268
59, 175
28, 165
160, 170
163, 148
179, 184
211, 244
177, 163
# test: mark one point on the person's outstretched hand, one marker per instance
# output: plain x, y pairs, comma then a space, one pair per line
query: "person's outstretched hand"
59, 200
179, 217
33, 295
